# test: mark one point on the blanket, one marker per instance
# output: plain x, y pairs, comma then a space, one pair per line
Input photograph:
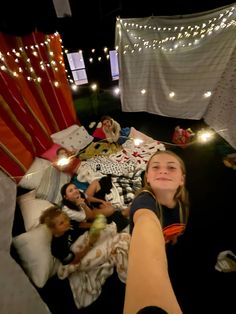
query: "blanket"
87, 277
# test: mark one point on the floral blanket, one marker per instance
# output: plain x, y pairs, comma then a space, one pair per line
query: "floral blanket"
87, 278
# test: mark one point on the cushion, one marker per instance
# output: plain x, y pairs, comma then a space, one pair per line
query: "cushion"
31, 209
32, 177
50, 185
34, 250
51, 153
73, 138
98, 133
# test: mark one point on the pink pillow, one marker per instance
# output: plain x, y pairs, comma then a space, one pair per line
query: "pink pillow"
98, 133
51, 153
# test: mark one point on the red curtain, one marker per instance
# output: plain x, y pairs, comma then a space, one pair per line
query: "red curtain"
35, 98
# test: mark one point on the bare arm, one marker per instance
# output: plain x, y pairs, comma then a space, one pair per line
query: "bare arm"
91, 190
89, 245
90, 215
148, 281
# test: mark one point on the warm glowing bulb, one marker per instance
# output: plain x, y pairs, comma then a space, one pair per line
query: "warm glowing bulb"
204, 136
74, 87
63, 161
117, 91
137, 141
94, 86
207, 94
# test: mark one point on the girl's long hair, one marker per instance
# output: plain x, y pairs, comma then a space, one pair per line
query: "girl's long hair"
67, 202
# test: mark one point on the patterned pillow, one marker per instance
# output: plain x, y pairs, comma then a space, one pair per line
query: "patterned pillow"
33, 176
73, 138
50, 185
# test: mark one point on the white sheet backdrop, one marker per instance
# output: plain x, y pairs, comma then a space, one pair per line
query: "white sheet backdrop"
175, 66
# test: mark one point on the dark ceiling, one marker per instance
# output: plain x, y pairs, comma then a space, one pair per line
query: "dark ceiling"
92, 23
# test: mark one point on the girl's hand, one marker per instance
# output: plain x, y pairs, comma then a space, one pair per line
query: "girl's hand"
93, 238
79, 255
80, 201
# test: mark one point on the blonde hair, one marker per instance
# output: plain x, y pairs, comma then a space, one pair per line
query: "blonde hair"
181, 193
48, 216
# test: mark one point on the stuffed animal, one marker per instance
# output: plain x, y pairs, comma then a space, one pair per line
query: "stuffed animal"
181, 136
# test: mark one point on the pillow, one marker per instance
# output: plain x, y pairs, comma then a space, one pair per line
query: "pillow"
32, 177
98, 133
50, 185
51, 153
73, 138
31, 209
34, 250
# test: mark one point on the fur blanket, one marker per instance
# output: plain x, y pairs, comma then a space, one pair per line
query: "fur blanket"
87, 278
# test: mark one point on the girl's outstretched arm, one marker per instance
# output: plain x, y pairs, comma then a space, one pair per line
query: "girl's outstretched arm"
148, 282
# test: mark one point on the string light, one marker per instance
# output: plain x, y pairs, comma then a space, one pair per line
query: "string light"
62, 161
170, 38
116, 91
94, 87
204, 136
137, 141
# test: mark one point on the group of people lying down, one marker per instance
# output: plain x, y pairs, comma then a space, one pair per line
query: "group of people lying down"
91, 236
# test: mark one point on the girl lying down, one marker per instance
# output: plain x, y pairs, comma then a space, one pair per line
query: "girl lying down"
111, 130
89, 257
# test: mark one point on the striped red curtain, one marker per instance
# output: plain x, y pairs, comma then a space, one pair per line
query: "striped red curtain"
35, 98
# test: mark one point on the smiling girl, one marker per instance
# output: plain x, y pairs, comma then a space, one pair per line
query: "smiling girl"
164, 193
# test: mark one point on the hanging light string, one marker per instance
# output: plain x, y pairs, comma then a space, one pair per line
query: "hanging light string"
202, 136
170, 38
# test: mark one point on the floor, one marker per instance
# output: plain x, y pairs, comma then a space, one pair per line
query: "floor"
211, 228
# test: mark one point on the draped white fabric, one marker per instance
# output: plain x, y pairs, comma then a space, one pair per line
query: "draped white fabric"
221, 112
173, 66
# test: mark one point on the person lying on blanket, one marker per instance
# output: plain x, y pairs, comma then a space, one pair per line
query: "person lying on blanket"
65, 232
67, 161
111, 130
78, 207
96, 194
87, 258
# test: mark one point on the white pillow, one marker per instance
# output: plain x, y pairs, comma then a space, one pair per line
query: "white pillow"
33, 176
50, 185
34, 250
31, 209
73, 138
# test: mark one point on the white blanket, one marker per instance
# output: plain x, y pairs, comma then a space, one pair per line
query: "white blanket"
87, 278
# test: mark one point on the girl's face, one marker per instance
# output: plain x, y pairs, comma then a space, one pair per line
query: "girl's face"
61, 224
72, 193
62, 153
106, 123
164, 173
